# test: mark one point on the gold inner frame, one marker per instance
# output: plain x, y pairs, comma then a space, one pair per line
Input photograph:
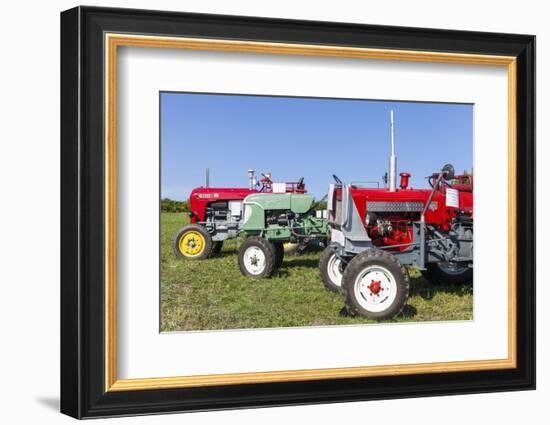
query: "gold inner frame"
113, 41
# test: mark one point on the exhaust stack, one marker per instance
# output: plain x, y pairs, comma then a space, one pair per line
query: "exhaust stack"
207, 177
392, 171
251, 179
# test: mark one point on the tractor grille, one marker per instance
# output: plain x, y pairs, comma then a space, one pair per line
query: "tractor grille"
403, 206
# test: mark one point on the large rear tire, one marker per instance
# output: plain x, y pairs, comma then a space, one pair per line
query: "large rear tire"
375, 285
448, 273
192, 242
257, 257
279, 253
331, 269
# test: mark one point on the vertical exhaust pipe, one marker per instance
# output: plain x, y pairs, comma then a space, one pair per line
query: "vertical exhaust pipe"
392, 171
207, 176
251, 179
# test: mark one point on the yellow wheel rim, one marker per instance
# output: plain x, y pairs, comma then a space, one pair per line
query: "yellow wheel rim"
192, 244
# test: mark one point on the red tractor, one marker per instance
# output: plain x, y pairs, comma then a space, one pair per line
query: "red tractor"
216, 214
374, 232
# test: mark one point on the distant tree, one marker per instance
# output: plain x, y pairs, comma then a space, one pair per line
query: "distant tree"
321, 205
169, 205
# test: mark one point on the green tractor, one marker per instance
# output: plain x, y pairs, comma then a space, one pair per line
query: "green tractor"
271, 220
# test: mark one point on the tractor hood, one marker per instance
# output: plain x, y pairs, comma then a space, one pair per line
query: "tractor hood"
295, 202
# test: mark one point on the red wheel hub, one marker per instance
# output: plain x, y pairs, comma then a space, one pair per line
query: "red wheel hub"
374, 286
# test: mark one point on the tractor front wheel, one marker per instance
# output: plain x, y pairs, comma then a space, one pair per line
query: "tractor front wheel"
331, 269
375, 285
192, 242
257, 257
448, 273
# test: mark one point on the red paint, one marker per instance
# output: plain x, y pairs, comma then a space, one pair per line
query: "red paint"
202, 196
404, 180
401, 222
374, 286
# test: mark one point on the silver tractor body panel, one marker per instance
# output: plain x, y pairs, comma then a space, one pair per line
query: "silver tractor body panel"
347, 230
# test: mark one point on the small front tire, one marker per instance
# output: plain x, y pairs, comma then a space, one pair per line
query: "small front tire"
257, 257
375, 285
192, 242
331, 269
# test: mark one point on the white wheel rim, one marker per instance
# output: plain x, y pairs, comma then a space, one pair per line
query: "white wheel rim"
375, 288
452, 268
333, 270
254, 260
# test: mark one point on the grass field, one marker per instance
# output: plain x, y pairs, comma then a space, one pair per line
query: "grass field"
213, 294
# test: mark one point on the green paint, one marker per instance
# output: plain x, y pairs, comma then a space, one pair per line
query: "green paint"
295, 202
302, 224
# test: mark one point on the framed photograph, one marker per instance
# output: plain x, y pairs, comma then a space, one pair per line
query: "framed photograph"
261, 212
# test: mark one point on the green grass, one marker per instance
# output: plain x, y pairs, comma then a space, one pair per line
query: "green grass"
213, 294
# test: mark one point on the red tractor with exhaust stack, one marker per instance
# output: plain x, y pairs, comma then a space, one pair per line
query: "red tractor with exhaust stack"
375, 232
217, 213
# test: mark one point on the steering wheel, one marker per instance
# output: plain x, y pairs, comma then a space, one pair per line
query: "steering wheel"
449, 172
336, 179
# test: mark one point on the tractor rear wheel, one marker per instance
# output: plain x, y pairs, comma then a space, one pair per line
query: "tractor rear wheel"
448, 273
216, 247
331, 268
192, 242
280, 253
257, 257
375, 285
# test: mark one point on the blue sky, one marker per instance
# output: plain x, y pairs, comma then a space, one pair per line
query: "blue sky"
313, 138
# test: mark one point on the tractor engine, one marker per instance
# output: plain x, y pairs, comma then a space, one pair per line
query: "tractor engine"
223, 211
282, 217
390, 229
278, 218
216, 211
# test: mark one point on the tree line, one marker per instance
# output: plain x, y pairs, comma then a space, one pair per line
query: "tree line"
169, 205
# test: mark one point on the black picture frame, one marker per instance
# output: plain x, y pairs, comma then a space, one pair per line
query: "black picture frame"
83, 392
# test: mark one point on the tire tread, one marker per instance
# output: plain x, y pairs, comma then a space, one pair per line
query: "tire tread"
355, 265
207, 238
269, 250
323, 262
